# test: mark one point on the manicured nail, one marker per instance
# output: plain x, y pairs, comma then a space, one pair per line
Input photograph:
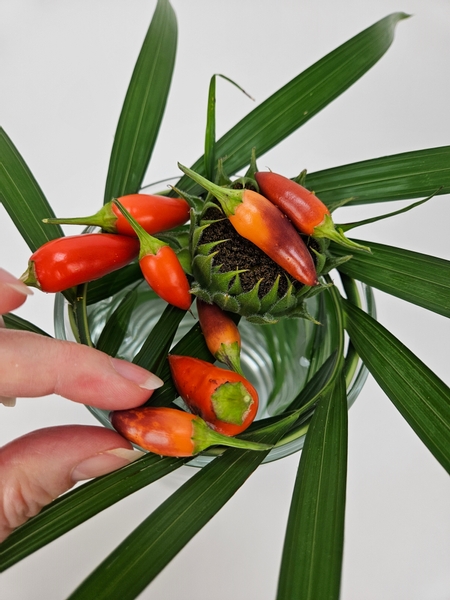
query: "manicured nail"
104, 462
136, 374
15, 284
7, 401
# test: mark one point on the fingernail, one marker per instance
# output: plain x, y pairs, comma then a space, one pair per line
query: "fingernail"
7, 279
104, 463
7, 401
136, 374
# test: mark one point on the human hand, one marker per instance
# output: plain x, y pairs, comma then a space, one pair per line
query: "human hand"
41, 465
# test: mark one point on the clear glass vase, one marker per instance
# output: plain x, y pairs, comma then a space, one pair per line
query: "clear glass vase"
277, 359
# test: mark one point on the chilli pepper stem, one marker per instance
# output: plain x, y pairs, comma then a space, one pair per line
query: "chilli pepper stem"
228, 198
104, 218
205, 436
148, 243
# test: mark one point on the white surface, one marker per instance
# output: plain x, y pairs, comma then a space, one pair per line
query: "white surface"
64, 69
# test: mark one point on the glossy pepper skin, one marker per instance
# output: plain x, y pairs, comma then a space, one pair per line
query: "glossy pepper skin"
306, 211
171, 432
261, 222
160, 266
153, 213
221, 334
224, 399
72, 260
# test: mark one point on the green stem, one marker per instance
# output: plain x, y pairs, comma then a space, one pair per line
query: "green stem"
149, 244
80, 312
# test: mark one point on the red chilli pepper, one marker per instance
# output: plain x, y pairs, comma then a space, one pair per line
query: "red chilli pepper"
160, 266
224, 399
221, 334
153, 213
68, 261
258, 220
172, 432
308, 213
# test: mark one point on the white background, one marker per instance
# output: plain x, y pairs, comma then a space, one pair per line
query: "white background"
65, 67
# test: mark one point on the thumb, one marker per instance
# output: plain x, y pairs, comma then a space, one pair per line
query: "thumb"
39, 466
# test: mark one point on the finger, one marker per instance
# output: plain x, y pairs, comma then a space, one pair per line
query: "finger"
13, 292
32, 365
38, 467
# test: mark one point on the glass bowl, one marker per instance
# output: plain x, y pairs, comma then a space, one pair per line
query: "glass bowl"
277, 359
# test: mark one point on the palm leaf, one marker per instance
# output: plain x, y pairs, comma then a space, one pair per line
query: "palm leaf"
115, 329
153, 544
144, 105
304, 96
312, 555
82, 503
420, 396
12, 321
22, 197
397, 177
418, 278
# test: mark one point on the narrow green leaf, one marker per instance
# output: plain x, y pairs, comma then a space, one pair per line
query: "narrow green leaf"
418, 394
144, 105
110, 284
22, 197
396, 177
312, 555
154, 351
115, 329
82, 503
304, 96
418, 278
153, 544
12, 321
210, 131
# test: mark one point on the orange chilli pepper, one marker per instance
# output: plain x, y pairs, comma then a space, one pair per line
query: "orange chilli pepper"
153, 213
221, 334
160, 266
224, 399
71, 260
171, 432
308, 213
260, 221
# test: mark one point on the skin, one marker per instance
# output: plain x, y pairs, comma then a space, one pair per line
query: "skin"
41, 465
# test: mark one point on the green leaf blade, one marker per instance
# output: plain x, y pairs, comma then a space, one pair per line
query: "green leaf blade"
397, 177
421, 397
418, 278
144, 105
303, 97
312, 555
22, 197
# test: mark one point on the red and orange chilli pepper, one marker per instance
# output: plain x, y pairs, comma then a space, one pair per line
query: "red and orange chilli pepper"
308, 213
68, 261
224, 399
153, 213
160, 266
258, 220
221, 334
171, 432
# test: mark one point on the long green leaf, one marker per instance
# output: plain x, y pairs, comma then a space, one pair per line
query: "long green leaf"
13, 321
110, 284
397, 177
420, 396
82, 503
115, 329
304, 96
146, 551
312, 555
144, 105
418, 278
22, 197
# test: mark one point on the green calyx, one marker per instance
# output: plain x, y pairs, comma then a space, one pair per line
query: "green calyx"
203, 437
328, 230
231, 402
229, 198
148, 243
104, 218
230, 355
